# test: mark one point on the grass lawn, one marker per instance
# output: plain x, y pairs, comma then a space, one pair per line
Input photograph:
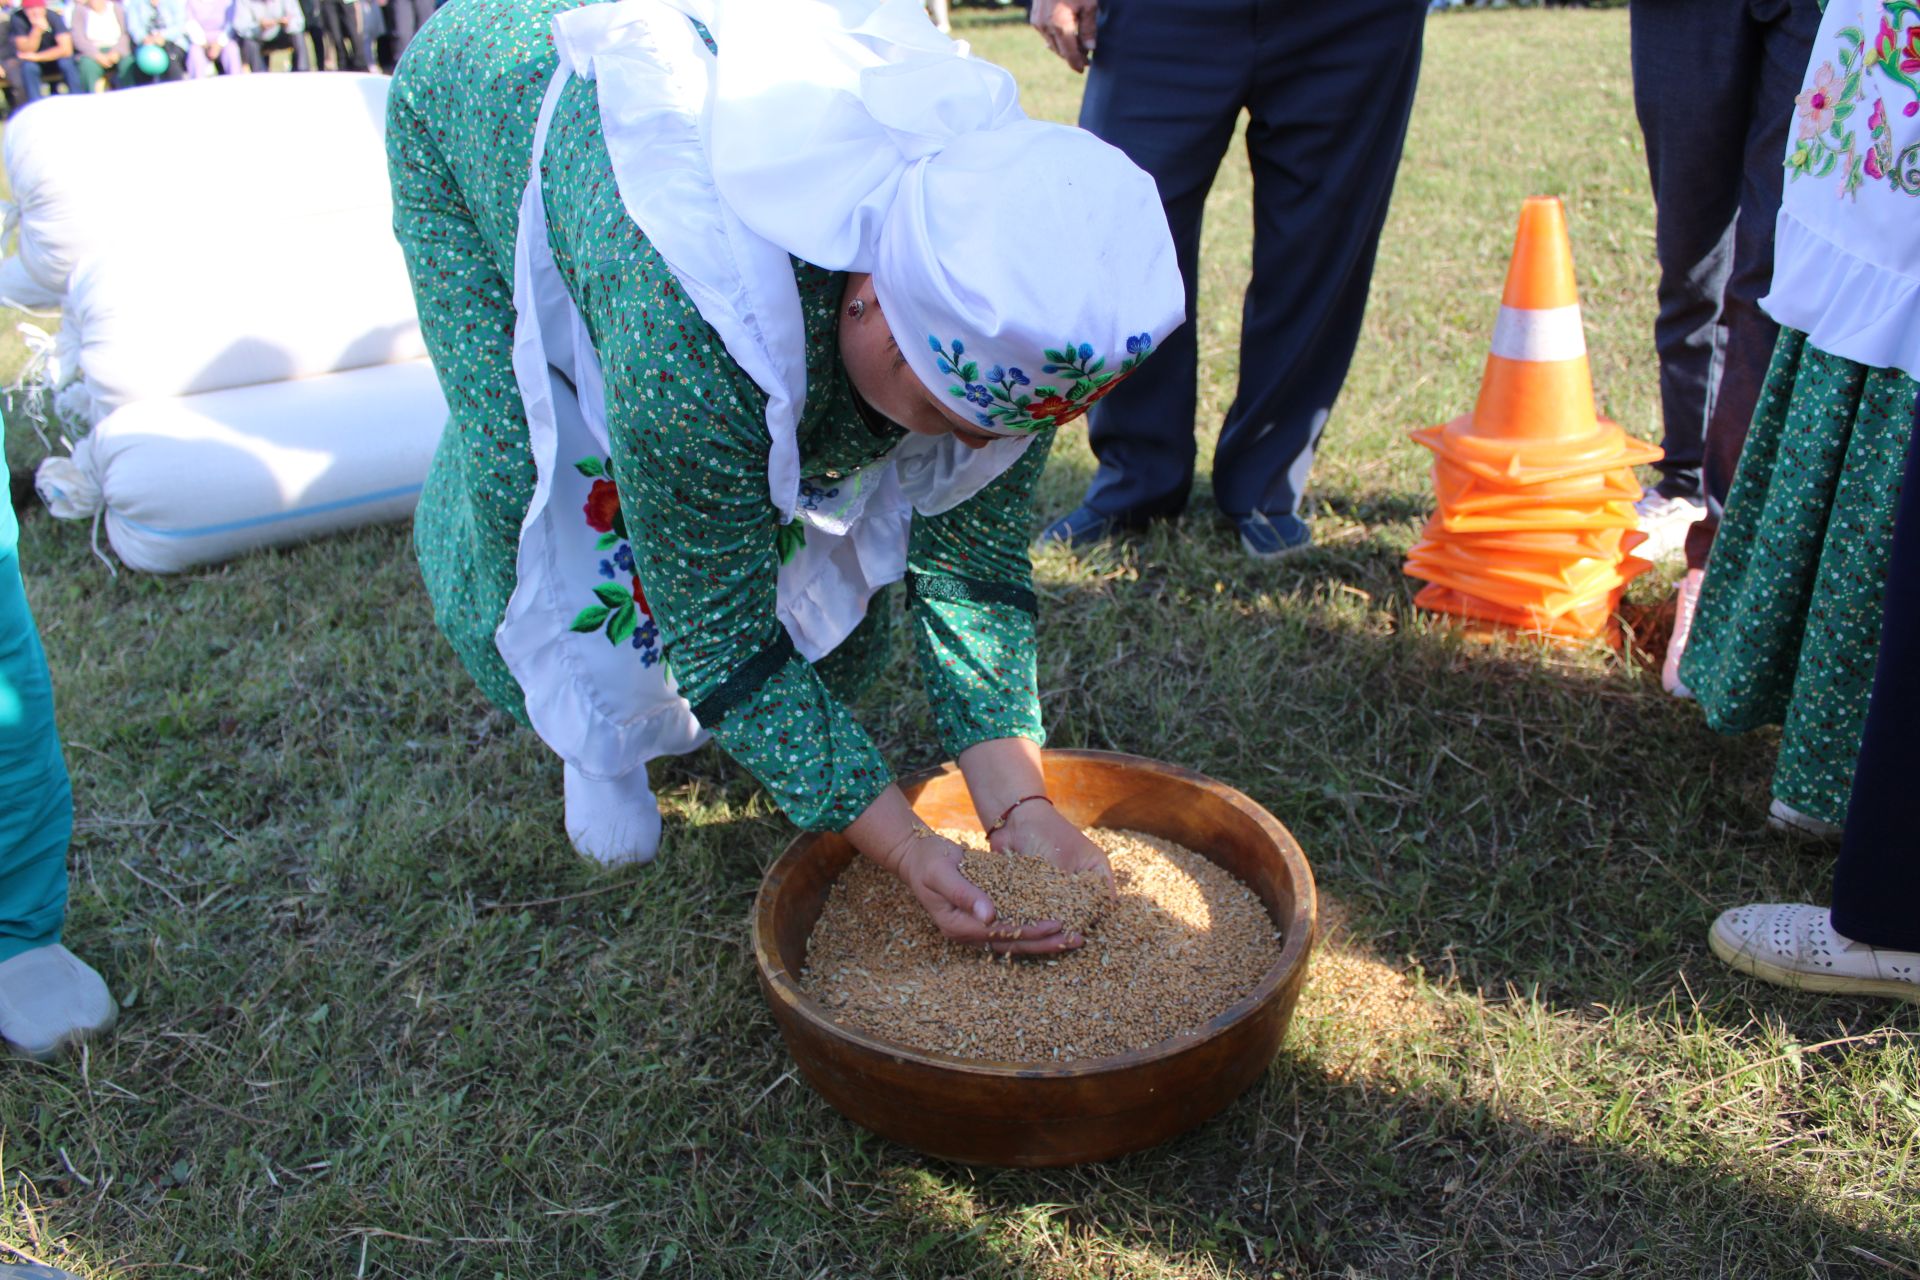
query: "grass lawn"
381, 1021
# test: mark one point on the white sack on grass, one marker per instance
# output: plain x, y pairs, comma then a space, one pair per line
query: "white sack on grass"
90, 169
331, 295
205, 478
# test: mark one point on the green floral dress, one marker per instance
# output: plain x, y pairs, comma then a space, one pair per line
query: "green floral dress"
691, 534
1789, 618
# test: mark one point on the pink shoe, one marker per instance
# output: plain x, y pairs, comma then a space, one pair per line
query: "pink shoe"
1686, 601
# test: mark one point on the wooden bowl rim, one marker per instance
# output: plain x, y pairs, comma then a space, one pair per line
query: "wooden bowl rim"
782, 985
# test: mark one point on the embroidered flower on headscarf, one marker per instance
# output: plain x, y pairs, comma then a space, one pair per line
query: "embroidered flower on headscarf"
1872, 164
1004, 408
1817, 101
603, 506
1910, 61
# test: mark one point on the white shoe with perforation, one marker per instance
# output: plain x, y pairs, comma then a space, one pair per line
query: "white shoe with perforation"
1795, 945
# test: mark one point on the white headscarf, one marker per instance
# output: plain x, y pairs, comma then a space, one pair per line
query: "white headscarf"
1024, 267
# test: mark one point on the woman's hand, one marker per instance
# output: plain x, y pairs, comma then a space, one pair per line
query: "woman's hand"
930, 865
1009, 791
890, 834
1036, 828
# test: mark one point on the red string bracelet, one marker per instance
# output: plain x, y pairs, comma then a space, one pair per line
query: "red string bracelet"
1008, 811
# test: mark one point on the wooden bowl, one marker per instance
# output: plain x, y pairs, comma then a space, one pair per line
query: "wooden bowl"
1029, 1114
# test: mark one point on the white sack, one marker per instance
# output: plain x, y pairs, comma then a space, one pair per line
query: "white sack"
87, 170
204, 478
19, 289
326, 293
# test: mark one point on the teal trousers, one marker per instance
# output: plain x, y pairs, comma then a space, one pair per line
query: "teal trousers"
36, 801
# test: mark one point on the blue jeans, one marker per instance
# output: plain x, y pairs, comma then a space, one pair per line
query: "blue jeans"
34, 83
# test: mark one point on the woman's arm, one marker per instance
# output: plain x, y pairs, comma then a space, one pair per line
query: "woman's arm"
82, 43
970, 581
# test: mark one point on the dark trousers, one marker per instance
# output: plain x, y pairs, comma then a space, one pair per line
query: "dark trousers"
255, 51
1716, 134
404, 18
342, 26
1876, 883
38, 78
1329, 88
316, 36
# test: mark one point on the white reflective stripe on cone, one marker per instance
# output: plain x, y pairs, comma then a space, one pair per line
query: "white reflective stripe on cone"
1550, 334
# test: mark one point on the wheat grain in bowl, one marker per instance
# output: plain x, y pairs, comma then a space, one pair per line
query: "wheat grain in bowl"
1176, 944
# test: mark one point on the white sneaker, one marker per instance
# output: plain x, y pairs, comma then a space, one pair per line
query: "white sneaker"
1795, 945
1686, 602
51, 999
614, 821
1782, 816
1665, 521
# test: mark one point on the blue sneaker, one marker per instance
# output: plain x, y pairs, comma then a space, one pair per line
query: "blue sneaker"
1266, 537
1081, 528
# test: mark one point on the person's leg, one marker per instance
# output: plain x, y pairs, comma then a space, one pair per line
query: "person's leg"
30, 83
316, 14
1332, 94
298, 45
377, 34
1695, 115
253, 53
49, 999
1876, 882
91, 73
354, 53
36, 802
199, 66
70, 76
1166, 87
404, 17
1868, 942
1786, 29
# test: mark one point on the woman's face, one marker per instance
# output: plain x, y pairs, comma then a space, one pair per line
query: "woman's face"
884, 379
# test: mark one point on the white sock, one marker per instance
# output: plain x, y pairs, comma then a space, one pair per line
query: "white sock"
613, 820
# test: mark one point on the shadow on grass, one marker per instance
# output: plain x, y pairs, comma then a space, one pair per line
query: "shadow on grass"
1309, 1176
1506, 816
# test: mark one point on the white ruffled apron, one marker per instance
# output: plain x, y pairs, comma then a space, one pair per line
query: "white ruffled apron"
577, 635
1846, 259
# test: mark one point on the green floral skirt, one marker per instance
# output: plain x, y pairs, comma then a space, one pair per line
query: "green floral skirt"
1789, 620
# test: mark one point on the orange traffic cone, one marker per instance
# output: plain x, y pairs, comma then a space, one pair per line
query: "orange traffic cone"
1534, 490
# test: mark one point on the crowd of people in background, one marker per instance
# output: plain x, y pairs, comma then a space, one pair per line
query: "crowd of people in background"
89, 46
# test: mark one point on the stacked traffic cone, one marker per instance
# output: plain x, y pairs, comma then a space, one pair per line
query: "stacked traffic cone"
1535, 490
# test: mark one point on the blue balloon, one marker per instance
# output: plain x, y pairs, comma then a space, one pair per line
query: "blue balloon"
151, 59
